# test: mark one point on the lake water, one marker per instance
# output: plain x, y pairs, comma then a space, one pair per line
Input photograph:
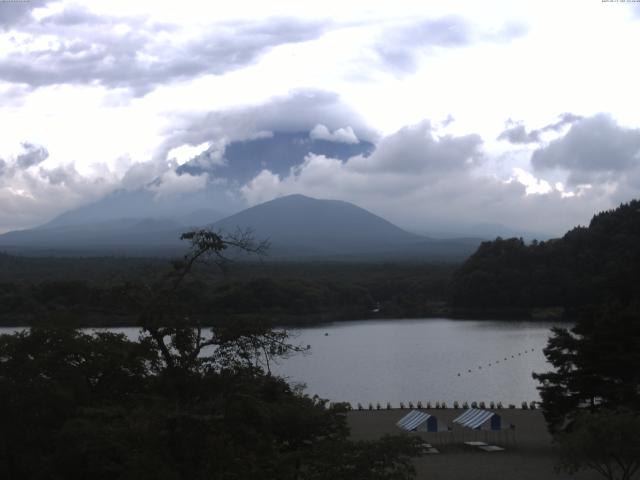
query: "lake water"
410, 360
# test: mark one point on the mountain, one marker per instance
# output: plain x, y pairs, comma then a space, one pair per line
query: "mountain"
318, 226
125, 236
302, 227
124, 206
243, 160
297, 227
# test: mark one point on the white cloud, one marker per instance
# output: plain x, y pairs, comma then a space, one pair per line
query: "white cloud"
33, 196
429, 184
532, 184
184, 153
340, 135
111, 89
595, 149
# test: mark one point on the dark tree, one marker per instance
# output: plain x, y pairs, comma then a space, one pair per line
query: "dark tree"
605, 441
595, 366
183, 402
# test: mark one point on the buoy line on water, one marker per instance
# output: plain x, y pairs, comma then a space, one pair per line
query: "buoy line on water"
496, 362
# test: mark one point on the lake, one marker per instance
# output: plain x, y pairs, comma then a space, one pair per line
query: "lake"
410, 360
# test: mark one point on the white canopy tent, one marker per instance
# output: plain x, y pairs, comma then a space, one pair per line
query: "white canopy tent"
417, 421
475, 418
490, 423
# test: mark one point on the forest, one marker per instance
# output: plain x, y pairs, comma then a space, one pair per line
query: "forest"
504, 278
183, 402
98, 291
102, 406
587, 267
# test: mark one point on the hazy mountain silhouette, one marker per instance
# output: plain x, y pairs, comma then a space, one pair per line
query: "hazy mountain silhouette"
300, 226
124, 205
131, 236
297, 227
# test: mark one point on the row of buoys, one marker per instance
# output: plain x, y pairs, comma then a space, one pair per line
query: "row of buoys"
534, 404
498, 361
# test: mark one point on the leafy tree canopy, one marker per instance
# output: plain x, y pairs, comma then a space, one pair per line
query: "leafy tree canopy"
589, 266
595, 365
605, 441
183, 402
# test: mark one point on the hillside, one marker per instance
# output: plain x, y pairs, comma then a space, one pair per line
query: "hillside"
296, 226
318, 225
587, 266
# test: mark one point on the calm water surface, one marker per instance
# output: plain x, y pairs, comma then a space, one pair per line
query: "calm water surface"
410, 360
403, 360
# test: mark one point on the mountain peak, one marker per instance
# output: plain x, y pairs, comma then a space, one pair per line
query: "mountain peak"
317, 225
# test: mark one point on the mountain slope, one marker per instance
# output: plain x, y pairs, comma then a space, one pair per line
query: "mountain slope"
300, 226
133, 236
124, 205
296, 226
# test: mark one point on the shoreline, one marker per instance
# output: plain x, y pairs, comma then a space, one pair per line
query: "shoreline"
126, 321
531, 457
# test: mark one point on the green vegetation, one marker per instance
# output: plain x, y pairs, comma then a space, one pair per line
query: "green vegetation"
591, 400
104, 407
183, 402
588, 267
605, 441
595, 366
505, 278
98, 291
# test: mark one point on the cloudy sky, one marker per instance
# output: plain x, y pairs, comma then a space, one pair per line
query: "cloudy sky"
512, 112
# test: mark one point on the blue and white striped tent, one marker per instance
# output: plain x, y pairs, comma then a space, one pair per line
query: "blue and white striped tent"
475, 418
419, 421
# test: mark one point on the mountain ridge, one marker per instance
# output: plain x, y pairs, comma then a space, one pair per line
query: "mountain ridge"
297, 226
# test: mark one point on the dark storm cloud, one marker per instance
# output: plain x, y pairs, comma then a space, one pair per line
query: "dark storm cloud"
398, 48
32, 155
516, 133
595, 149
92, 50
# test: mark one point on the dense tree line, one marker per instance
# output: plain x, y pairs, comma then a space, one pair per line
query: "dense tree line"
587, 267
284, 293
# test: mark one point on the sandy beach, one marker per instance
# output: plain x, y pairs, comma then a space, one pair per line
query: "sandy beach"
530, 456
